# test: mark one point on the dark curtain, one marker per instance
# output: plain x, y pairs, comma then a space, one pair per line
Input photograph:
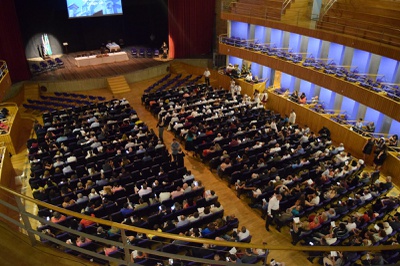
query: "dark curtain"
11, 47
191, 27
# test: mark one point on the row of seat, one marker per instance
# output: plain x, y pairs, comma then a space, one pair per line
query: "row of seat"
142, 52
47, 65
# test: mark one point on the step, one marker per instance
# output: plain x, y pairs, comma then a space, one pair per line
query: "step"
118, 85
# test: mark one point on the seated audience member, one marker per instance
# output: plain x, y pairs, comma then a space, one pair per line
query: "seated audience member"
177, 192
217, 207
93, 194
81, 198
249, 77
182, 221
81, 241
58, 217
138, 255
243, 233
144, 190
188, 176
85, 222
109, 250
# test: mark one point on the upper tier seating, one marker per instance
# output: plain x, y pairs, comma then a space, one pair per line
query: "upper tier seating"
268, 9
376, 21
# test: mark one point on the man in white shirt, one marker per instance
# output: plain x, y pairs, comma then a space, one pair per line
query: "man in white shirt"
273, 209
144, 190
292, 118
164, 196
238, 89
243, 233
351, 224
249, 77
188, 176
314, 200
207, 75
218, 137
71, 159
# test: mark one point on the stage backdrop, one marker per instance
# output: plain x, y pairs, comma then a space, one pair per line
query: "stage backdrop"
11, 46
191, 27
144, 23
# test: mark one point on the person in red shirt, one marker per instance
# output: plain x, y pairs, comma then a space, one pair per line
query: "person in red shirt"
58, 217
85, 223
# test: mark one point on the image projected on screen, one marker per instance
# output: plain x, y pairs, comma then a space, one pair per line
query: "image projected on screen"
93, 8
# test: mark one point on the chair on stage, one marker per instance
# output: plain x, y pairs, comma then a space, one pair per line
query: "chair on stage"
149, 52
59, 62
142, 52
36, 69
156, 53
44, 66
134, 52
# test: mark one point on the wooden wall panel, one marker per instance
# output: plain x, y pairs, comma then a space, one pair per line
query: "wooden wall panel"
351, 90
5, 85
7, 179
392, 167
347, 40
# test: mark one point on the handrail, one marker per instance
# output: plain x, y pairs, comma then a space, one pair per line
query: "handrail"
3, 70
327, 7
285, 4
193, 239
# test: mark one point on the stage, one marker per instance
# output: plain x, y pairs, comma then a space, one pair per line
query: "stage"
71, 72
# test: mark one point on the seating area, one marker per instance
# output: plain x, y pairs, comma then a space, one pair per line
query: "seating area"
60, 100
45, 66
351, 74
144, 52
267, 9
378, 22
103, 173
260, 154
168, 81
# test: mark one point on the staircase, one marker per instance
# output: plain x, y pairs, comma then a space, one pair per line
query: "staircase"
298, 13
118, 85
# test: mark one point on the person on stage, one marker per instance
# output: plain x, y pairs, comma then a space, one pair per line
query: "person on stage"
164, 49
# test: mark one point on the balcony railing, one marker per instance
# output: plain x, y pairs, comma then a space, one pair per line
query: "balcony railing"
3, 70
124, 244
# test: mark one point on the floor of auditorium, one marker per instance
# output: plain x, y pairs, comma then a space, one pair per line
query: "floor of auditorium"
227, 196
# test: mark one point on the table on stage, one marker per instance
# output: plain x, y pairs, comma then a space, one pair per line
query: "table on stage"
94, 60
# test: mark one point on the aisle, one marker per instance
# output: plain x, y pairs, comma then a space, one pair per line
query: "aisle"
227, 196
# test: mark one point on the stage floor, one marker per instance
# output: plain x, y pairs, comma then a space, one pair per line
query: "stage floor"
72, 72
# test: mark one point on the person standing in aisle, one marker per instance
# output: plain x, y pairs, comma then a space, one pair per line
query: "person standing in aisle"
161, 126
292, 118
207, 75
175, 146
273, 210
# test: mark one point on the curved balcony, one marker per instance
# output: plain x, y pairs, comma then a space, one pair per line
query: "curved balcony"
5, 80
353, 89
